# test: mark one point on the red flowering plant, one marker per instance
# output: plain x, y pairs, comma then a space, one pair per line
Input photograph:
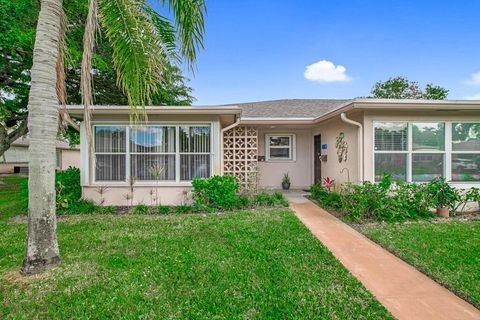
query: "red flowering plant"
328, 183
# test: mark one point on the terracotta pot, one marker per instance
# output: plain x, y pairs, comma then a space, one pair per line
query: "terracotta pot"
443, 212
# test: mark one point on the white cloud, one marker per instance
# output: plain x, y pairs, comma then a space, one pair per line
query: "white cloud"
473, 97
474, 79
326, 71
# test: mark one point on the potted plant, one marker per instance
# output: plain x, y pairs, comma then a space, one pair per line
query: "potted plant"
286, 181
444, 196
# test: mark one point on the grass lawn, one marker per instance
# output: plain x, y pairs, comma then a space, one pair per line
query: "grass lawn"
251, 264
10, 201
449, 252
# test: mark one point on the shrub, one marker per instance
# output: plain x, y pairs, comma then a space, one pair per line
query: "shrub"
107, 210
473, 195
280, 199
413, 200
140, 209
164, 209
67, 187
219, 192
264, 199
271, 200
81, 207
443, 194
183, 209
88, 207
244, 201
386, 201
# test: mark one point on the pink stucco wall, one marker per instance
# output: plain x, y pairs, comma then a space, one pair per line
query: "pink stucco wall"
116, 195
332, 168
299, 170
70, 158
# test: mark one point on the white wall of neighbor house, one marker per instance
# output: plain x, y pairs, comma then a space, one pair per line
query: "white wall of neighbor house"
16, 154
329, 131
299, 168
371, 117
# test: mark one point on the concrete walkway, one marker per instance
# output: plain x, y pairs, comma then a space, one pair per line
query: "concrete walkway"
404, 291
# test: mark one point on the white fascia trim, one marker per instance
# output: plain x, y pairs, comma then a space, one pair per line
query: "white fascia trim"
255, 120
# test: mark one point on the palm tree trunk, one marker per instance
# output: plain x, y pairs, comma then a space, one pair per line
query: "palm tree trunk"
42, 248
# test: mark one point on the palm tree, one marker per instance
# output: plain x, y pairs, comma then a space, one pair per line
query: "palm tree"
143, 44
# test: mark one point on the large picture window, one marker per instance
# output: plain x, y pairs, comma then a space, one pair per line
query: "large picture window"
422, 151
280, 147
110, 153
152, 152
391, 150
465, 151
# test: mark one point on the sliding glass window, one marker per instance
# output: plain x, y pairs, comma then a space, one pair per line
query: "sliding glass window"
153, 153
422, 151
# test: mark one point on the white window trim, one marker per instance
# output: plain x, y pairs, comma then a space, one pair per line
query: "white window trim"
292, 147
171, 183
447, 152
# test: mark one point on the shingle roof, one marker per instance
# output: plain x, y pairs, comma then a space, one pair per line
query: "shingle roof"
289, 108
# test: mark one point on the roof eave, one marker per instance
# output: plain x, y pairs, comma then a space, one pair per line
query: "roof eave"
167, 110
266, 120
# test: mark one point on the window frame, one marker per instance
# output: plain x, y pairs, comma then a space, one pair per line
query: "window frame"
130, 153
291, 147
126, 153
177, 125
452, 152
447, 152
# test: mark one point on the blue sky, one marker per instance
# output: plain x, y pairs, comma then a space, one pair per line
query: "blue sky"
259, 49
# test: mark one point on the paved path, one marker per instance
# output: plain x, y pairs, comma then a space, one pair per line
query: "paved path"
404, 291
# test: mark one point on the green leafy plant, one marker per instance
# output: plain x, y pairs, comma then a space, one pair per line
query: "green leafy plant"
184, 209
286, 178
383, 201
472, 195
140, 209
67, 187
264, 199
280, 199
164, 209
218, 192
244, 201
443, 194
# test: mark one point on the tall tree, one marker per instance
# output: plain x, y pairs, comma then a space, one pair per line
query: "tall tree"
141, 41
18, 20
42, 251
402, 88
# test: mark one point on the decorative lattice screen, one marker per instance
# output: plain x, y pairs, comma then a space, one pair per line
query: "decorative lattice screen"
240, 149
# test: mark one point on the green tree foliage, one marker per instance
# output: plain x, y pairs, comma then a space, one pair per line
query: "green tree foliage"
402, 88
18, 21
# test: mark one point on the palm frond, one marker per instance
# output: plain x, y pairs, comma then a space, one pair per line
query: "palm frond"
139, 55
86, 83
64, 118
190, 23
167, 33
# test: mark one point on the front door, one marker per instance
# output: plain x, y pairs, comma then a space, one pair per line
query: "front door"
317, 152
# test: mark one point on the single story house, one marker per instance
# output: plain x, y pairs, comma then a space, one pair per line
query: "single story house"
346, 140
15, 159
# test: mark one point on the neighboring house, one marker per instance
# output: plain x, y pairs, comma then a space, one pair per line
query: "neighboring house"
15, 159
346, 140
